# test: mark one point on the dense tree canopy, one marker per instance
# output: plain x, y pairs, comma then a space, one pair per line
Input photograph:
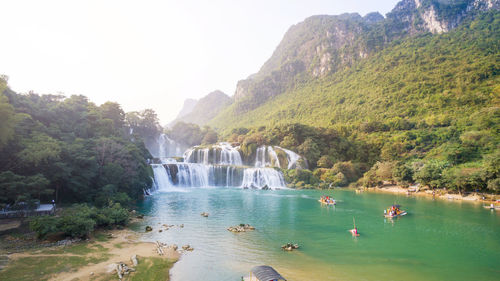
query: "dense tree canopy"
70, 150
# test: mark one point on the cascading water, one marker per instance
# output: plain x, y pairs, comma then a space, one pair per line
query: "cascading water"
292, 158
162, 180
168, 147
265, 156
220, 154
221, 165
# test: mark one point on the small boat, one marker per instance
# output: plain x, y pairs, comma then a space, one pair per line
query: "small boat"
354, 231
394, 211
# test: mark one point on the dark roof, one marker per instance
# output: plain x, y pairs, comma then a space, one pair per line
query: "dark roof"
266, 273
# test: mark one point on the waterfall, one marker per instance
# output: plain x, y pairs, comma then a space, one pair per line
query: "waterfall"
266, 157
262, 178
162, 180
292, 158
219, 165
219, 154
168, 147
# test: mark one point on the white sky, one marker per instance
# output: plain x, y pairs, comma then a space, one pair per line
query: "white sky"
148, 54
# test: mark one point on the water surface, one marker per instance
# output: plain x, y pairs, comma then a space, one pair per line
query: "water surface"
438, 240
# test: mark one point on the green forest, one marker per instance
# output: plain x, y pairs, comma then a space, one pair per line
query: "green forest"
72, 151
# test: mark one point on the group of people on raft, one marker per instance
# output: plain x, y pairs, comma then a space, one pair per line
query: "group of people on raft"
327, 200
393, 211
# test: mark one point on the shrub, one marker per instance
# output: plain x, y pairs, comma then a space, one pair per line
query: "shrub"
44, 225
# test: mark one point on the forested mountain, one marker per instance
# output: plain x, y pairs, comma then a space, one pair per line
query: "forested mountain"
71, 150
415, 92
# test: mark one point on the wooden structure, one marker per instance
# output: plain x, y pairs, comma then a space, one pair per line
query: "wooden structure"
265, 273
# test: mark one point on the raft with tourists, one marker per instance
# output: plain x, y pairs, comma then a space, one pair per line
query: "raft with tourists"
394, 211
327, 200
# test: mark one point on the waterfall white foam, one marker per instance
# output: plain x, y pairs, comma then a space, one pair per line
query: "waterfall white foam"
263, 177
221, 165
265, 156
161, 179
292, 157
219, 154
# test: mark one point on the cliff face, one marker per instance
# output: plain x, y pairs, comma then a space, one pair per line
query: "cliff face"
322, 45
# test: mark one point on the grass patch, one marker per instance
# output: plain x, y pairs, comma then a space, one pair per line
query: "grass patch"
118, 245
40, 268
101, 237
152, 269
76, 249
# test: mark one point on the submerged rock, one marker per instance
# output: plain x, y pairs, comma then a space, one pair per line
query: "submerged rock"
149, 228
187, 248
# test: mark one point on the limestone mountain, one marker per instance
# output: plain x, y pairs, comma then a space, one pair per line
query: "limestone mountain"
187, 107
204, 109
322, 48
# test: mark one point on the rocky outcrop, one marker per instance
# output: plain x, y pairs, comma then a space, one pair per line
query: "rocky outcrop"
241, 228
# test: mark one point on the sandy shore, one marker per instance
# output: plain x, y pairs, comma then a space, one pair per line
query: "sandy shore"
437, 193
119, 247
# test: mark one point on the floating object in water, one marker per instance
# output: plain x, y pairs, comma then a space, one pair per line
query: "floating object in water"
394, 211
204, 214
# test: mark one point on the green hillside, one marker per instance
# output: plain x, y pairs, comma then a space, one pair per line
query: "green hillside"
426, 81
424, 109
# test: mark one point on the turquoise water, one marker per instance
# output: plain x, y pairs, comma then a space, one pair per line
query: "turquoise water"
437, 240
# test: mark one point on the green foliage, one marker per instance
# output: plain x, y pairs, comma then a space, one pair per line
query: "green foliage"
191, 134
68, 149
430, 173
425, 107
80, 220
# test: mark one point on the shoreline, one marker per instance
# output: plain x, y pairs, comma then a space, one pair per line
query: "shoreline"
105, 256
428, 193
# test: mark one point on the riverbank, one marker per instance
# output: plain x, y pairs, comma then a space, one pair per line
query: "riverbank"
96, 258
436, 193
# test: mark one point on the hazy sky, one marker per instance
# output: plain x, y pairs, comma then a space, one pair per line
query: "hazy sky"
148, 54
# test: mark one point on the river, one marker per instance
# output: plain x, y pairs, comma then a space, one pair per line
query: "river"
437, 240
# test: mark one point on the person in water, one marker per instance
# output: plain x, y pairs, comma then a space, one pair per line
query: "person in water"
355, 231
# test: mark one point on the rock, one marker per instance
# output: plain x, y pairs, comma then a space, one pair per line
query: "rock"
204, 214
160, 230
290, 247
266, 187
149, 228
92, 273
241, 228
187, 248
111, 267
140, 216
181, 226
134, 260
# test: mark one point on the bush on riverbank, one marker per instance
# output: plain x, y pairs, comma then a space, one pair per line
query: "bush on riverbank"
80, 220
